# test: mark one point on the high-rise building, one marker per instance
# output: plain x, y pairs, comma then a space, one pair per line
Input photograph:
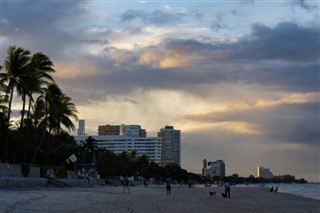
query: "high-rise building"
149, 146
119, 138
216, 168
81, 130
264, 172
171, 139
128, 130
204, 167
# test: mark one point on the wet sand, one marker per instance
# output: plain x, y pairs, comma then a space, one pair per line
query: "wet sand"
151, 199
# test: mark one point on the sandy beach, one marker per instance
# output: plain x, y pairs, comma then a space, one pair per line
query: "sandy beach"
151, 199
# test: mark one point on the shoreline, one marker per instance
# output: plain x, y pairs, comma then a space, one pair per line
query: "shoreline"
151, 199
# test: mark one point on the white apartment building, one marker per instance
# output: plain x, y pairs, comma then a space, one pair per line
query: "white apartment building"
171, 140
264, 172
216, 168
130, 138
149, 146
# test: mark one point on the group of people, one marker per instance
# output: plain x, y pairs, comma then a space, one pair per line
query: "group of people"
274, 189
126, 185
226, 186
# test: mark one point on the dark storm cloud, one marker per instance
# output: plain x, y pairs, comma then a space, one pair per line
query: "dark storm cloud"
42, 25
286, 123
155, 17
303, 78
39, 16
287, 41
220, 63
294, 123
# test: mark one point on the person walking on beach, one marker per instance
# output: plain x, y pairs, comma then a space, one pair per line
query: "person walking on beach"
126, 184
168, 186
227, 189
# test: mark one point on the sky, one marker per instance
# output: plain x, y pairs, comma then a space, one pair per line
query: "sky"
239, 78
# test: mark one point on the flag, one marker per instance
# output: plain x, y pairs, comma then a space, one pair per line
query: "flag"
73, 158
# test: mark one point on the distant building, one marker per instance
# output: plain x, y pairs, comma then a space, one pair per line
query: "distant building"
125, 130
81, 129
149, 146
204, 167
119, 138
264, 172
109, 130
171, 139
216, 168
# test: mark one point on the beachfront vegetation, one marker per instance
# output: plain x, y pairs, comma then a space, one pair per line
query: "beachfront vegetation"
38, 134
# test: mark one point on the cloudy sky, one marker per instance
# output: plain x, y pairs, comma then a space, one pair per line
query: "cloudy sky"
239, 78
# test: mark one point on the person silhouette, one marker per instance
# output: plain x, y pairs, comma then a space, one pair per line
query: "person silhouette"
168, 186
126, 184
227, 189
271, 189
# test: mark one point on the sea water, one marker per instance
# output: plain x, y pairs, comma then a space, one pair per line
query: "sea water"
310, 190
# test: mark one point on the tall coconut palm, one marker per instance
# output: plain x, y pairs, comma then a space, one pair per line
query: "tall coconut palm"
39, 69
58, 111
37, 75
50, 94
16, 65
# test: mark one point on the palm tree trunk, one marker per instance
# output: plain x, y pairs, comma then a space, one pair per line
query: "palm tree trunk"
27, 132
42, 136
21, 127
23, 110
8, 122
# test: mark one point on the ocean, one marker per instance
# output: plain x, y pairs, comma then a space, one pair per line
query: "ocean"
310, 190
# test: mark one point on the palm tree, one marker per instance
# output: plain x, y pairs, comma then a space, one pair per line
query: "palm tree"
58, 111
50, 94
16, 65
89, 146
63, 110
39, 69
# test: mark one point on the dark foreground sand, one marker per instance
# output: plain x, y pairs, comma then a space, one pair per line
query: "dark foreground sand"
152, 199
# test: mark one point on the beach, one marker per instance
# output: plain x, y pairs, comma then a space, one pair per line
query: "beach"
151, 199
